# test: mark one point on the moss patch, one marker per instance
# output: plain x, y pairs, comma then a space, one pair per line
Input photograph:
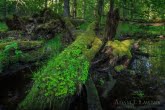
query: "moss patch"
121, 48
119, 68
23, 44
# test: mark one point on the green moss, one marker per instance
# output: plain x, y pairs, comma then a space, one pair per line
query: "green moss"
139, 94
62, 76
95, 46
10, 52
119, 68
92, 26
3, 27
68, 23
6, 53
121, 48
23, 44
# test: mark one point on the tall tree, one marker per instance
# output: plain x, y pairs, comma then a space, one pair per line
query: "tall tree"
66, 8
74, 8
100, 7
124, 8
84, 8
46, 4
4, 9
112, 21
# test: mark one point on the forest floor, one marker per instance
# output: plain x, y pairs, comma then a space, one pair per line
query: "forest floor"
131, 63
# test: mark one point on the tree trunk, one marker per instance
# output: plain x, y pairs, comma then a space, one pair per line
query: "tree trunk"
100, 10
74, 8
46, 4
5, 9
66, 8
124, 9
111, 22
132, 10
84, 8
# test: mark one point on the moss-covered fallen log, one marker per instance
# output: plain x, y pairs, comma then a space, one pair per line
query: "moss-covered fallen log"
23, 45
61, 78
12, 52
26, 53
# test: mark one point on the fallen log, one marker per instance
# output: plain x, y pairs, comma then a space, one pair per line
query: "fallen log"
26, 53
10, 56
23, 45
61, 77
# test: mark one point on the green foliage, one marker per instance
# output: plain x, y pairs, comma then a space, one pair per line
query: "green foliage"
156, 52
139, 94
3, 27
54, 45
125, 28
119, 68
60, 78
155, 30
7, 52
101, 82
83, 26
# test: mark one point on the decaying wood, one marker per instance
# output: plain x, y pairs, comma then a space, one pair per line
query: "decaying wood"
92, 95
23, 45
13, 63
44, 25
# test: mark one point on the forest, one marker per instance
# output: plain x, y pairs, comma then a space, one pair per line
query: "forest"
82, 54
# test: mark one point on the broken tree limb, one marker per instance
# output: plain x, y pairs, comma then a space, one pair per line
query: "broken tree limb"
92, 95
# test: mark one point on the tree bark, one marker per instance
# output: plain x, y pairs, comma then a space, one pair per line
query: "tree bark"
74, 8
5, 9
111, 22
46, 4
84, 8
124, 9
100, 10
66, 8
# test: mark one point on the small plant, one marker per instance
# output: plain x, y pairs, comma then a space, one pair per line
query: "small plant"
3, 27
139, 94
13, 46
101, 82
6, 53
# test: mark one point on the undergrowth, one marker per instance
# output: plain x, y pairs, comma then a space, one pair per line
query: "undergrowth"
135, 29
7, 52
3, 27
